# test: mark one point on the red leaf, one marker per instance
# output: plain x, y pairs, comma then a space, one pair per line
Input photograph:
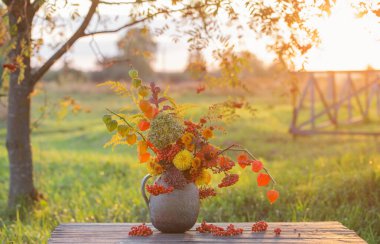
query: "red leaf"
10, 67
263, 179
257, 166
272, 196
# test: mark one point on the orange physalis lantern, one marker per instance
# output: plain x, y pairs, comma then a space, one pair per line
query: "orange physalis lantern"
142, 147
243, 160
257, 166
144, 125
263, 179
272, 196
131, 139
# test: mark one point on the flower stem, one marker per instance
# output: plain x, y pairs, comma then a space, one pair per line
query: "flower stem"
122, 118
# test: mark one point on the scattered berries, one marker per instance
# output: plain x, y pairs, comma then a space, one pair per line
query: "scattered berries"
231, 231
157, 189
277, 231
140, 230
219, 231
208, 228
259, 226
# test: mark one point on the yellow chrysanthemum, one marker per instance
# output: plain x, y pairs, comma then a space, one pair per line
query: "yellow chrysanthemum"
154, 168
183, 160
187, 138
204, 178
207, 133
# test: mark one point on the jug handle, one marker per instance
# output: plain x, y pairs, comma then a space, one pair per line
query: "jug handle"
143, 182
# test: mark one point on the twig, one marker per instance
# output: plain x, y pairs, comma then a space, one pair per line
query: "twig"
242, 149
122, 118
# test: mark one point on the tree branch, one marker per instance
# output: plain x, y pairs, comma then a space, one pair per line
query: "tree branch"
37, 4
78, 34
7, 2
145, 19
122, 3
126, 25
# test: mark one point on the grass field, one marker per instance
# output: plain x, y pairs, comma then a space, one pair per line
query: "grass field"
319, 178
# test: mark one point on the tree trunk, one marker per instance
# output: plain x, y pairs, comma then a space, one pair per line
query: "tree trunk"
18, 144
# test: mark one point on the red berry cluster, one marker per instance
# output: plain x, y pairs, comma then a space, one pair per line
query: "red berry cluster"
219, 231
229, 180
259, 226
191, 127
205, 192
208, 228
225, 163
277, 231
157, 189
167, 154
140, 230
231, 231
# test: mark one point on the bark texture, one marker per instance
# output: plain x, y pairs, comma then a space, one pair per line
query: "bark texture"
18, 122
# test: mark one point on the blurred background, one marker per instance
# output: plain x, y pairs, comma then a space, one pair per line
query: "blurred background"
263, 72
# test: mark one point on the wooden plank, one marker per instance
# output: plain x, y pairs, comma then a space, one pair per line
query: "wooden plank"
325, 104
304, 232
312, 101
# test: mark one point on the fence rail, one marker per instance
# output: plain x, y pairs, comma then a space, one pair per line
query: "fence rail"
330, 99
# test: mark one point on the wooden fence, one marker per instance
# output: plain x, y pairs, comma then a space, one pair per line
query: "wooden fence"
328, 101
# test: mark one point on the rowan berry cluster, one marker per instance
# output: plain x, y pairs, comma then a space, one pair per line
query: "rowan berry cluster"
157, 189
168, 153
219, 231
205, 192
208, 228
259, 226
229, 180
140, 230
230, 231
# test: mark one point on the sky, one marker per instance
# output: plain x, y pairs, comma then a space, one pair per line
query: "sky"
347, 43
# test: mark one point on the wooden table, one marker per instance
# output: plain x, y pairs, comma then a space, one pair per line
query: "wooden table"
297, 232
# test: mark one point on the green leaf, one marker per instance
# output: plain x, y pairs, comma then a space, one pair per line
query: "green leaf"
136, 83
107, 119
111, 125
134, 74
123, 130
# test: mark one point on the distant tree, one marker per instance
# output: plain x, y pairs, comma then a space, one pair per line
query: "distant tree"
196, 64
136, 48
198, 21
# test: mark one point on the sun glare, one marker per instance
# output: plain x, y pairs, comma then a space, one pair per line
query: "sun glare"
347, 42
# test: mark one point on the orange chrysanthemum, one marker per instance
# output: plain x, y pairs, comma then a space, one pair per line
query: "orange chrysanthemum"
207, 133
209, 156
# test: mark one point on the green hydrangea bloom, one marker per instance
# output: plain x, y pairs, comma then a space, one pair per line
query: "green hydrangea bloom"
165, 129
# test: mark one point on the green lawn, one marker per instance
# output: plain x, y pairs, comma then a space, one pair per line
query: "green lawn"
320, 178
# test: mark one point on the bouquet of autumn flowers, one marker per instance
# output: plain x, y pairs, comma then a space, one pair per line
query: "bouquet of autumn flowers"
171, 145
